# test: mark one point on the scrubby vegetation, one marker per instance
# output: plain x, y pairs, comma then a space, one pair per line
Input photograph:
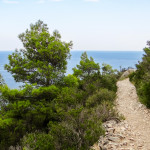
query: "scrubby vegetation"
53, 110
141, 78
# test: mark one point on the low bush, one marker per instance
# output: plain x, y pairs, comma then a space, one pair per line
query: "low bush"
38, 141
144, 93
100, 96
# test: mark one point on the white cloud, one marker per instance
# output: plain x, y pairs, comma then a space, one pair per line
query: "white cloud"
10, 1
91, 0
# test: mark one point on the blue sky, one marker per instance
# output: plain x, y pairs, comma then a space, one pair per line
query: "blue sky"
90, 24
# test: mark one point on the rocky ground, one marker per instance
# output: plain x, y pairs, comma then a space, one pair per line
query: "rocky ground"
133, 133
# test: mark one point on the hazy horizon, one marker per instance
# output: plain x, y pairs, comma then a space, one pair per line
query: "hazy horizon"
98, 25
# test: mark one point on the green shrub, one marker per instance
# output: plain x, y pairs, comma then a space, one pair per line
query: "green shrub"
66, 115
71, 81
38, 141
144, 93
131, 76
67, 98
47, 93
79, 130
141, 77
100, 96
109, 82
105, 111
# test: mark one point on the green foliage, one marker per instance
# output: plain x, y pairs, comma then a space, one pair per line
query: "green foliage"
87, 67
71, 81
132, 75
105, 111
67, 98
47, 93
107, 69
1, 80
143, 90
27, 110
99, 97
43, 59
2, 83
141, 78
109, 82
54, 111
38, 141
79, 130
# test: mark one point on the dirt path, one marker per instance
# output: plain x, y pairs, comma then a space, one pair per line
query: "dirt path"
136, 114
134, 132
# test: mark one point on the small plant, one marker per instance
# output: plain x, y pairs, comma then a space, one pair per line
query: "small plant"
100, 96
38, 141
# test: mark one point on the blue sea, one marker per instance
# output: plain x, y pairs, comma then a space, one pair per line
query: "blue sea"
116, 59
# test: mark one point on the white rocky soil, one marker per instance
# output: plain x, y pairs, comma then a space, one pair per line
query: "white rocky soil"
133, 133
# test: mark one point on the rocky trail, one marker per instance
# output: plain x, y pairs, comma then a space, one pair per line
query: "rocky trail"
133, 133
